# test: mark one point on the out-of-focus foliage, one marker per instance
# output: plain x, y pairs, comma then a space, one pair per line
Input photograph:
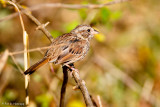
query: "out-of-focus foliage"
122, 66
55, 33
75, 103
44, 99
71, 25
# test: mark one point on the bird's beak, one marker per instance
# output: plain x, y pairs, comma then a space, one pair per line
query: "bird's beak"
95, 32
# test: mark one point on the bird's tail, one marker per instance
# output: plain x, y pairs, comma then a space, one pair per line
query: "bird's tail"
36, 66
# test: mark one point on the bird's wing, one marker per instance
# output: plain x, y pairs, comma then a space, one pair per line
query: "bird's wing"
57, 47
71, 52
66, 48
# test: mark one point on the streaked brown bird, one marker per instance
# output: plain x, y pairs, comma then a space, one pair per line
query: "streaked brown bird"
67, 48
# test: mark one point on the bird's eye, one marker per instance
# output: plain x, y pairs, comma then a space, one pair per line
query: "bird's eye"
88, 30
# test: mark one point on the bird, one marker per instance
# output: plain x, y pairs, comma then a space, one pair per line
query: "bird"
67, 48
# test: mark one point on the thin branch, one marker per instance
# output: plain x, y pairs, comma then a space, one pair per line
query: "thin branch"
3, 60
19, 68
99, 101
146, 93
26, 54
67, 6
30, 50
75, 6
19, 13
81, 85
5, 80
26, 66
8, 17
52, 71
93, 101
42, 27
83, 89
63, 89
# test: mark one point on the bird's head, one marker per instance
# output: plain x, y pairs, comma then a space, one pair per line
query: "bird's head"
84, 31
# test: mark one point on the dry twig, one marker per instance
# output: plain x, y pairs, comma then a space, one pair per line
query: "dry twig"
67, 6
3, 60
83, 89
41, 26
75, 6
99, 101
146, 93
19, 68
81, 85
63, 89
30, 50
26, 54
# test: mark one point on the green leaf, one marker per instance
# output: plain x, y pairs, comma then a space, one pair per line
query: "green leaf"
105, 14
70, 26
55, 33
116, 15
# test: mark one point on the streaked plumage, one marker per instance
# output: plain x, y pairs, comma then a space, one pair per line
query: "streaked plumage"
68, 48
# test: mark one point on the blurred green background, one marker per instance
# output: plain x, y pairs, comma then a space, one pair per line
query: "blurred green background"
122, 66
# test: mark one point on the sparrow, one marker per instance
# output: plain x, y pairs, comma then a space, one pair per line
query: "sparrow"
67, 48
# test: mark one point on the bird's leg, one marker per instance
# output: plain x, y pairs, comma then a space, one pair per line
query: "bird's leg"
72, 68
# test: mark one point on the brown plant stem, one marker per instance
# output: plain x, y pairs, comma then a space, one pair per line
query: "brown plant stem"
40, 26
29, 50
3, 60
26, 54
67, 6
63, 89
76, 6
81, 85
18, 67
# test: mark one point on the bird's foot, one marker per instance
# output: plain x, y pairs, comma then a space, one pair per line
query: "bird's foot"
72, 69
